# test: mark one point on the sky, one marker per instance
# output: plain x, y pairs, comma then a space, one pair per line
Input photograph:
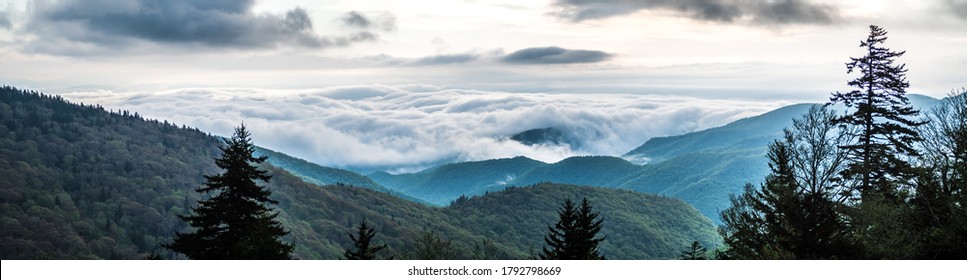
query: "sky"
401, 85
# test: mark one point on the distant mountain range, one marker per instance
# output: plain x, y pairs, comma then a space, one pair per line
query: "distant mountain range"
701, 167
78, 182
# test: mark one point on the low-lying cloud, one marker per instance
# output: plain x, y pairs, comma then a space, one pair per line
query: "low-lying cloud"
75, 27
554, 55
772, 12
406, 128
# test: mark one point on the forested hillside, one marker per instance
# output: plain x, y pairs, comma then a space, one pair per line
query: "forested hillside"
77, 182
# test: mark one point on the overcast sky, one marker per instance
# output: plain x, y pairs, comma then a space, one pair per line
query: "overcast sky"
766, 52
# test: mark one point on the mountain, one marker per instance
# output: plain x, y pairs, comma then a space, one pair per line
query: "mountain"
78, 182
445, 183
316, 174
321, 175
550, 136
636, 225
757, 131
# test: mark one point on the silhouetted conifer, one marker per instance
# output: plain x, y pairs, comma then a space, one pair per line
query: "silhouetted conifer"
363, 246
884, 129
575, 235
694, 252
234, 223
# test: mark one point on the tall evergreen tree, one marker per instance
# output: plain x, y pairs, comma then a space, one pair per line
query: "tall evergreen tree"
575, 235
882, 117
234, 223
363, 246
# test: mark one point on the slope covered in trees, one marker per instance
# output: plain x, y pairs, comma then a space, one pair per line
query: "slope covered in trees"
77, 182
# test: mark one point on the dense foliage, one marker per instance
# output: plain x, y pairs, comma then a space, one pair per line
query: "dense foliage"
79, 182
796, 213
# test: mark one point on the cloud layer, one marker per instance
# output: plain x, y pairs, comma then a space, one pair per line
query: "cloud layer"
75, 27
773, 12
406, 128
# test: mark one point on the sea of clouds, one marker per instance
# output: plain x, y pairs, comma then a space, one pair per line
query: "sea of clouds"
411, 127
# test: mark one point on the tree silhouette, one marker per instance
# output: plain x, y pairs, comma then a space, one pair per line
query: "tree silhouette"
882, 117
574, 236
694, 252
363, 247
234, 223
940, 202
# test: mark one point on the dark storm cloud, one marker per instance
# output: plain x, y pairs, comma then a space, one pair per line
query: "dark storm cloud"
215, 23
772, 12
554, 55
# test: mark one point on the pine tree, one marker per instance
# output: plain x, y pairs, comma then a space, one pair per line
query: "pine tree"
575, 235
882, 117
234, 223
694, 252
363, 246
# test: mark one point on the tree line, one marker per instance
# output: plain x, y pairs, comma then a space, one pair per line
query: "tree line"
879, 180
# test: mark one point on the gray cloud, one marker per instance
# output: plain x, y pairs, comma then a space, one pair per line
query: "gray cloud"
957, 7
385, 21
354, 18
772, 12
554, 55
65, 26
443, 59
5, 20
412, 127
